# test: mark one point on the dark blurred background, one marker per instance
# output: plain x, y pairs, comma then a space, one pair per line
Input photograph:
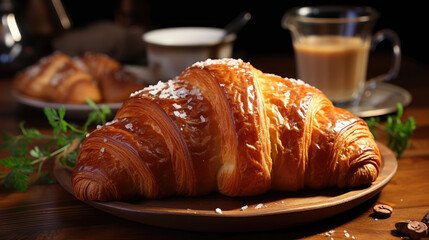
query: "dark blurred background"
103, 25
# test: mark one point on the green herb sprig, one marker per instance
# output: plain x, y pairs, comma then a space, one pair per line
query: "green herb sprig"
27, 157
399, 132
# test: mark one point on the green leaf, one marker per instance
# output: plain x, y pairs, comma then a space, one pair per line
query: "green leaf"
53, 119
70, 158
7, 140
62, 140
97, 115
21, 163
20, 181
63, 125
18, 176
8, 180
34, 133
400, 111
24, 166
35, 152
91, 103
62, 112
8, 162
51, 115
105, 110
372, 123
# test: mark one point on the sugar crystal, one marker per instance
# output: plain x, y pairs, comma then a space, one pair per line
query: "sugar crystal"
218, 210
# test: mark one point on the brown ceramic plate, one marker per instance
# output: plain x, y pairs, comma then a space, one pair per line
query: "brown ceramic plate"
268, 211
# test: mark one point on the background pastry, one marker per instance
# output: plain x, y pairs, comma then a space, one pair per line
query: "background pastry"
60, 78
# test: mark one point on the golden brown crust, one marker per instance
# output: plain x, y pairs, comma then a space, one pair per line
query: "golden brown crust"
224, 126
246, 162
59, 78
117, 85
328, 150
71, 84
33, 80
99, 64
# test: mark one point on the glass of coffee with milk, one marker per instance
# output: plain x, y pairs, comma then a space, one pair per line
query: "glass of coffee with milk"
332, 45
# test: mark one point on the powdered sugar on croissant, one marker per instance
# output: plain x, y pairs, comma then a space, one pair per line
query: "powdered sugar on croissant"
224, 126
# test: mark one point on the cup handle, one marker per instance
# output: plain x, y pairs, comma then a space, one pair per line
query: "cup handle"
386, 34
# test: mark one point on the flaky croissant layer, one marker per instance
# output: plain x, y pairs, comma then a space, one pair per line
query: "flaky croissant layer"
224, 126
64, 79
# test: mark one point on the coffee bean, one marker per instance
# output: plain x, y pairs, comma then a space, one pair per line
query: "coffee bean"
402, 226
382, 210
414, 229
425, 219
417, 230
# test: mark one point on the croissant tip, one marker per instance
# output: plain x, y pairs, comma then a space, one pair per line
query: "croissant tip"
364, 175
89, 190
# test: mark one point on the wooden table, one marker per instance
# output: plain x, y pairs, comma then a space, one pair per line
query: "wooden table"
49, 212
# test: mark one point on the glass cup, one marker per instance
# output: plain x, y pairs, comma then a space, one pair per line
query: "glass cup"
332, 45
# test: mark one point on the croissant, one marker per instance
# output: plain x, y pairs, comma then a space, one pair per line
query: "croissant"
114, 81
57, 78
224, 126
99, 64
60, 78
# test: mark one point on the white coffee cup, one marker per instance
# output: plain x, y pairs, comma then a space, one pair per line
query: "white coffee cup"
172, 50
